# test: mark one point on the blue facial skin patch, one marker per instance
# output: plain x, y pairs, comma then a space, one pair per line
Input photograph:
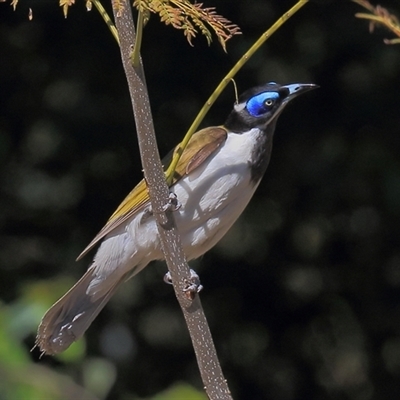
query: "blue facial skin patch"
257, 106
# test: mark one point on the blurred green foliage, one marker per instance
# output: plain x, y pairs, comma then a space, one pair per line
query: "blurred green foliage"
302, 295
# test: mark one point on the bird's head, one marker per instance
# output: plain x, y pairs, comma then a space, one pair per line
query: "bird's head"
261, 105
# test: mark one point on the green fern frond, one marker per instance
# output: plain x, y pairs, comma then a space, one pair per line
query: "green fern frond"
141, 5
203, 29
189, 31
170, 16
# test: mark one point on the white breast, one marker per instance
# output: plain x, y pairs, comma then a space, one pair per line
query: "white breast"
215, 194
212, 198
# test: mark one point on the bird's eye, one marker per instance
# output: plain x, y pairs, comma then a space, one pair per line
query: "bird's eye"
269, 102
262, 103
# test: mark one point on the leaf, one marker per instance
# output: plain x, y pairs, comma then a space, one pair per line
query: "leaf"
191, 18
380, 16
65, 4
118, 6
14, 4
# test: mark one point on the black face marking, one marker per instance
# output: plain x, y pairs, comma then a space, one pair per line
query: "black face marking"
259, 108
256, 107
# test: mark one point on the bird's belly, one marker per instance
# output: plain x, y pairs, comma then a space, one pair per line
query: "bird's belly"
212, 196
212, 200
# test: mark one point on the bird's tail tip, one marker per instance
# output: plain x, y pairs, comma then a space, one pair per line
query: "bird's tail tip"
68, 319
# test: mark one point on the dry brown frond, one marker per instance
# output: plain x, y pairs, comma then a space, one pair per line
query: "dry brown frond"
119, 6
191, 18
65, 4
380, 16
14, 4
223, 28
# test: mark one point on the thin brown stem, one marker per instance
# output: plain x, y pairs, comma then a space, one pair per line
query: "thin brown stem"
211, 373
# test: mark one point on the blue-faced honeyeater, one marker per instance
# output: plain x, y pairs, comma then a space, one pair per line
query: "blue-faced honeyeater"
214, 181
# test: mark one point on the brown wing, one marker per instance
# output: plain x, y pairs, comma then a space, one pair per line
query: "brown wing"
213, 138
208, 140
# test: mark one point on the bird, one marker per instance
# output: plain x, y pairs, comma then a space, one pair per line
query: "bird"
215, 178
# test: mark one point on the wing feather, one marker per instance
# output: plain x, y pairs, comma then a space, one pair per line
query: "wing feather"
208, 140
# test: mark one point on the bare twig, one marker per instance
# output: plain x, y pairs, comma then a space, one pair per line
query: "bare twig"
106, 18
211, 373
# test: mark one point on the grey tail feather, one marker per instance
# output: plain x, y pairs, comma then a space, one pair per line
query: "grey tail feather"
68, 319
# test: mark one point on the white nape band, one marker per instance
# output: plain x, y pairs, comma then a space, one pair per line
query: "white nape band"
239, 107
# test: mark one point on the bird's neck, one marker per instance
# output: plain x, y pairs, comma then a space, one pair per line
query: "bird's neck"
261, 153
262, 145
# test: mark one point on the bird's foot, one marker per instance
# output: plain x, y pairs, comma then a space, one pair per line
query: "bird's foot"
173, 203
192, 285
167, 278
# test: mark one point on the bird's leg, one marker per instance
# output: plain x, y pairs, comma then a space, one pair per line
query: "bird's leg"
192, 285
167, 278
173, 203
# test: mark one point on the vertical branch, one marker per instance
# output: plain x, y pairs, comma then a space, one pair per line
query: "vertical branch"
211, 373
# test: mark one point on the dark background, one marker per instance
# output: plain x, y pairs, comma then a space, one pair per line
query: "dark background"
302, 295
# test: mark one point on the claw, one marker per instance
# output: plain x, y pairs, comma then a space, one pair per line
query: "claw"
167, 278
173, 203
192, 285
